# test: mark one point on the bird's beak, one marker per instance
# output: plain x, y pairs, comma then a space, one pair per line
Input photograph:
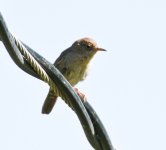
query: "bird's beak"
101, 49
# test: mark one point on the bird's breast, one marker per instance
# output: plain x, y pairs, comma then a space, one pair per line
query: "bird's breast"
78, 72
73, 68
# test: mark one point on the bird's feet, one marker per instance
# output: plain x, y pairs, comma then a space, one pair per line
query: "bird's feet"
80, 94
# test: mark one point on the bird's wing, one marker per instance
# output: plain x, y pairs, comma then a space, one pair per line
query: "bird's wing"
52, 96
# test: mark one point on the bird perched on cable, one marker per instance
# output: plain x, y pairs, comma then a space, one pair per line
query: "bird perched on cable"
73, 64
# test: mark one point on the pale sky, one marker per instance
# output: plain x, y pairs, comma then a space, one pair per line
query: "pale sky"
126, 85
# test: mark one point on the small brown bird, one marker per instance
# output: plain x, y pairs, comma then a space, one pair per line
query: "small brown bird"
73, 64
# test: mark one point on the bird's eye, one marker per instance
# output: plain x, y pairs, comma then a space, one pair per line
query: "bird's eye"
88, 46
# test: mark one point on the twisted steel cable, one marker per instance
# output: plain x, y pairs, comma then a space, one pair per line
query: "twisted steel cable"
37, 66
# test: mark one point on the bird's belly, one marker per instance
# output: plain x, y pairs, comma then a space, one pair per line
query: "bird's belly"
77, 74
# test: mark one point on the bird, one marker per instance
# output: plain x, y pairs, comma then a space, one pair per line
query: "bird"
73, 63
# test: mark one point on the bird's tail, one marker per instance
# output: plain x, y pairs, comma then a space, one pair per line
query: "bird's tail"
49, 102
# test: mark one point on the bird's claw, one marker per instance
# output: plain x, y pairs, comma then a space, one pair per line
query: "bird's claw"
81, 95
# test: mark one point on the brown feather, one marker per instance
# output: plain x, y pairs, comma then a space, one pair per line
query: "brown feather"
49, 102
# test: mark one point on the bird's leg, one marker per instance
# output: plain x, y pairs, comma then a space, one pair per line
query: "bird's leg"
80, 94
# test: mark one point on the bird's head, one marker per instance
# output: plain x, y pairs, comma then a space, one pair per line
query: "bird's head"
86, 48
